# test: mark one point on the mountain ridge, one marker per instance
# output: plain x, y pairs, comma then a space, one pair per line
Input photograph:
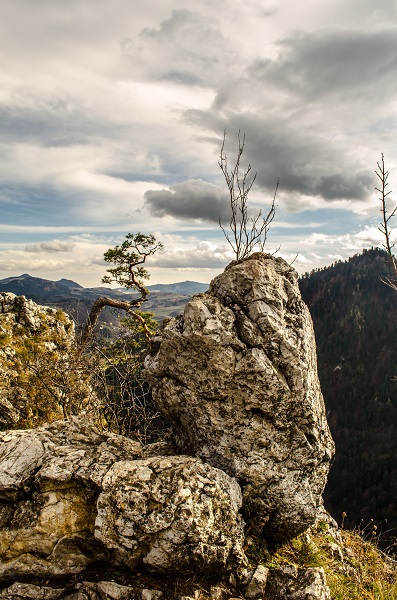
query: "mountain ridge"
44, 289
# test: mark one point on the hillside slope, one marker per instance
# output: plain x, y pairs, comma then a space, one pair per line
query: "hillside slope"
355, 320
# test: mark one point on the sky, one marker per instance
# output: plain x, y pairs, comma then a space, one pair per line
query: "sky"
112, 115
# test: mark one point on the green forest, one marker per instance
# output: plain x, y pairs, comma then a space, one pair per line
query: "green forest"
355, 321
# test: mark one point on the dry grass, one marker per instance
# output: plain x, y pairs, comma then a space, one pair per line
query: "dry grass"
355, 568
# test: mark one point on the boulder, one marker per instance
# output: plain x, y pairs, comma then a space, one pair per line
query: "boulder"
50, 479
171, 513
237, 377
72, 496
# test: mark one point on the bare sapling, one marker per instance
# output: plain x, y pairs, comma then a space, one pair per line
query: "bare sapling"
385, 227
245, 232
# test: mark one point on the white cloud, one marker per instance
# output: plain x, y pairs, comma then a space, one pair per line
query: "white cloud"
350, 243
201, 255
51, 246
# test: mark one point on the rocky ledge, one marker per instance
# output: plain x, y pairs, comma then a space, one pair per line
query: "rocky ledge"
236, 375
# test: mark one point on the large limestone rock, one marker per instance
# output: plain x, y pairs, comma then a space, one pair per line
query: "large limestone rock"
171, 513
237, 376
72, 496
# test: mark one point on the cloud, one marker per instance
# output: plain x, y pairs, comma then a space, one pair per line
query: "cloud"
301, 109
322, 65
187, 48
107, 107
201, 255
351, 242
193, 199
78, 257
51, 246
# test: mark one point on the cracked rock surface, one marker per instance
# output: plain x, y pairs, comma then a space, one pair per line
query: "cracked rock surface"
237, 376
50, 479
72, 496
173, 513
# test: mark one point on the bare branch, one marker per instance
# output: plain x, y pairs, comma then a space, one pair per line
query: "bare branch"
245, 232
384, 227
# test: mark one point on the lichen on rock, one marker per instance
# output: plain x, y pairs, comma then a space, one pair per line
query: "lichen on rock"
41, 374
172, 514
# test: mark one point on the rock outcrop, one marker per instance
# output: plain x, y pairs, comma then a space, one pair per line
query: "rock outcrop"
40, 378
71, 496
237, 377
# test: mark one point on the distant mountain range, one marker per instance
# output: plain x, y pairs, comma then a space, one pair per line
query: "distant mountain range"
45, 290
76, 300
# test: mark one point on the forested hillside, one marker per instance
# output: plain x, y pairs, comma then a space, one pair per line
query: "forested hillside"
355, 321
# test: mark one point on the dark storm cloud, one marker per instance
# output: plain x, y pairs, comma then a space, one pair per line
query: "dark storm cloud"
348, 63
301, 111
305, 163
193, 199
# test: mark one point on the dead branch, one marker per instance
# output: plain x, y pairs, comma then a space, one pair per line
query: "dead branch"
245, 232
384, 227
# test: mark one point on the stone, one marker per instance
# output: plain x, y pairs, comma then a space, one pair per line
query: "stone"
237, 377
27, 591
151, 594
298, 584
50, 479
103, 590
218, 593
245, 575
171, 513
257, 585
